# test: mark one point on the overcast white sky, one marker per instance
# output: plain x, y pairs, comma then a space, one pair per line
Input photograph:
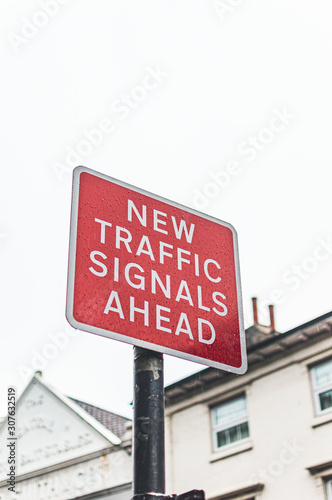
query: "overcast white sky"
242, 87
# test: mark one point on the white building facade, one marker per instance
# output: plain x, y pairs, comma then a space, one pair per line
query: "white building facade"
263, 435
63, 452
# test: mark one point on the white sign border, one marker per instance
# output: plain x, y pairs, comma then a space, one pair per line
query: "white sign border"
127, 339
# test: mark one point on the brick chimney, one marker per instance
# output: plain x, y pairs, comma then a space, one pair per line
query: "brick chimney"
271, 327
255, 310
272, 323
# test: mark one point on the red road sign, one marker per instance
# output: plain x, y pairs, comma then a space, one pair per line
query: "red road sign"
150, 272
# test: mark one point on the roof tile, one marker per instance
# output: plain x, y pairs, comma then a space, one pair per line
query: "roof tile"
115, 423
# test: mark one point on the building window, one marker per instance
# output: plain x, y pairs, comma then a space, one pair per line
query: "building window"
230, 423
322, 387
329, 489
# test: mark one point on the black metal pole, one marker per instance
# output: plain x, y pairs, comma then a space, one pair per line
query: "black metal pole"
148, 426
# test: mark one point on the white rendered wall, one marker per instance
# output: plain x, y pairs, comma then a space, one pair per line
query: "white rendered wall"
284, 441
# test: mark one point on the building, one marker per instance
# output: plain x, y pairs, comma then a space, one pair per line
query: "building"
65, 449
266, 434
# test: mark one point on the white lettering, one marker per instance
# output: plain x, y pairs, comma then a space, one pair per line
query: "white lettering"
225, 310
141, 284
199, 297
141, 218
178, 230
118, 309
157, 221
184, 285
144, 311
100, 264
161, 318
166, 290
145, 241
119, 238
200, 332
179, 329
180, 259
116, 269
206, 263
103, 229
196, 264
162, 252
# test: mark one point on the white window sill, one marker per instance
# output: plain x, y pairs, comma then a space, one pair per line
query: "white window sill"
232, 450
322, 419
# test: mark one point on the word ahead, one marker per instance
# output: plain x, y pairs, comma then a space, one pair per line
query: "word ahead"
152, 273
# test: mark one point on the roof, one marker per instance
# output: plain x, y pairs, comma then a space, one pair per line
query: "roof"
113, 422
71, 403
116, 424
262, 345
259, 333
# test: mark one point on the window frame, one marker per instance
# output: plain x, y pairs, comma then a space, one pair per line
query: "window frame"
215, 428
328, 488
317, 390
